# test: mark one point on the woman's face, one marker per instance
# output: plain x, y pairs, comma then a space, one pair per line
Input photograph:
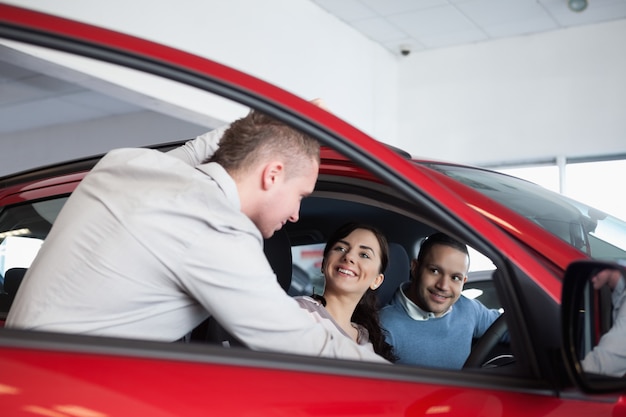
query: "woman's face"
352, 265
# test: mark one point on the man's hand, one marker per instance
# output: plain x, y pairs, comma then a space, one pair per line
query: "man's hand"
319, 103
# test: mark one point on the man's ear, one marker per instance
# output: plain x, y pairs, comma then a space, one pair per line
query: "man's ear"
272, 172
414, 268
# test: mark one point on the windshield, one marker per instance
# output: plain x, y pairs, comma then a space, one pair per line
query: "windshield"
596, 233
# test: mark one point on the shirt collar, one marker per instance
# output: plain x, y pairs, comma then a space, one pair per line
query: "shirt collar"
412, 309
223, 180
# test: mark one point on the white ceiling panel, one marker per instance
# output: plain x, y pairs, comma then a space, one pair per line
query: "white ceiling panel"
49, 112
30, 100
597, 11
441, 40
433, 21
520, 27
101, 103
428, 24
347, 10
392, 7
497, 12
379, 30
20, 85
15, 93
9, 72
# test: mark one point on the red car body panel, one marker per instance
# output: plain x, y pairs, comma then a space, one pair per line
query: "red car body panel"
53, 380
123, 386
41, 189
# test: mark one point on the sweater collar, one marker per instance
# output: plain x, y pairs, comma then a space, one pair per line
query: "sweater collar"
412, 309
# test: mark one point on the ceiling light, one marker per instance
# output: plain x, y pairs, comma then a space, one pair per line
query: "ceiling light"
577, 5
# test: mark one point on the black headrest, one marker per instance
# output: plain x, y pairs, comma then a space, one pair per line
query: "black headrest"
278, 252
397, 272
12, 280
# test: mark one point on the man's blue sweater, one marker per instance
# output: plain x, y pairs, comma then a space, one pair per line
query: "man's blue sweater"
440, 342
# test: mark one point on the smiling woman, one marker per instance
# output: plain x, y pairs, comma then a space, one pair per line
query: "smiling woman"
353, 262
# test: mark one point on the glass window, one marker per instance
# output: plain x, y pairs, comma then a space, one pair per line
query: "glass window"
547, 176
23, 228
306, 277
585, 227
593, 182
582, 181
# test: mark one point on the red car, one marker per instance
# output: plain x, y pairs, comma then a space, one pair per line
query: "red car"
533, 251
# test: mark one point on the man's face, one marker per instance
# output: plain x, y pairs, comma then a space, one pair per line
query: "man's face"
437, 283
282, 203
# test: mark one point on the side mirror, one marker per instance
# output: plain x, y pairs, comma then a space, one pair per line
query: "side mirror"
593, 312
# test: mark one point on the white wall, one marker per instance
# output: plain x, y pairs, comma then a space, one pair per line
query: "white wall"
556, 93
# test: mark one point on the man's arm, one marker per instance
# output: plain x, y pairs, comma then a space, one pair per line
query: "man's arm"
240, 290
609, 356
196, 151
485, 318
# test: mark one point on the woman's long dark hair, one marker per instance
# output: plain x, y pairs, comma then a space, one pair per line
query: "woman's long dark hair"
366, 311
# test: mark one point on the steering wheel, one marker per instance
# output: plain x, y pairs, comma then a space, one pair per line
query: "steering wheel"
486, 343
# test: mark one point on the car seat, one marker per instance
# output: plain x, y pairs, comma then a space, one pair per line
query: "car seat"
397, 271
12, 279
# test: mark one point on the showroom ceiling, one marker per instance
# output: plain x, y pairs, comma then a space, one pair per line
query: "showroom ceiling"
429, 24
54, 101
418, 24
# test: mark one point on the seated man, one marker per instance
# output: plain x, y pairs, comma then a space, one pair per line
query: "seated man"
429, 322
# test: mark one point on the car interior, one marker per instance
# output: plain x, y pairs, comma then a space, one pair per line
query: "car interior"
335, 201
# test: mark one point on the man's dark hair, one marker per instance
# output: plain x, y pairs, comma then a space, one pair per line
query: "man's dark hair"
439, 238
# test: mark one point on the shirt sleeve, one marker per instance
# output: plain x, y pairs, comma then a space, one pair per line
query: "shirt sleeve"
196, 151
485, 318
240, 290
609, 356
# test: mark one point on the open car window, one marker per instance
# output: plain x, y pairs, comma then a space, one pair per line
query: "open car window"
116, 107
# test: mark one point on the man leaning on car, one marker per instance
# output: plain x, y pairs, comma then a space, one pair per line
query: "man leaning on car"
149, 244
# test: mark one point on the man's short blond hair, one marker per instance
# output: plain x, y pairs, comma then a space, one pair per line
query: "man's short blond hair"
258, 137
